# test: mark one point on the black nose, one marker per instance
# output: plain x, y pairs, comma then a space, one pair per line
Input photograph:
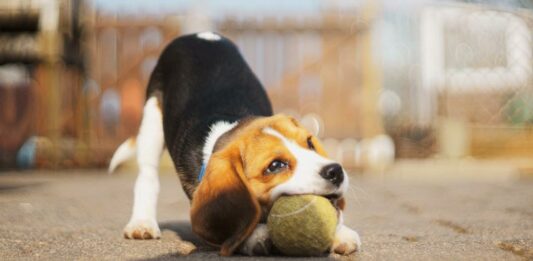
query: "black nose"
333, 173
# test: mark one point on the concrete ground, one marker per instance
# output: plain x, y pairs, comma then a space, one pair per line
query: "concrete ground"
416, 211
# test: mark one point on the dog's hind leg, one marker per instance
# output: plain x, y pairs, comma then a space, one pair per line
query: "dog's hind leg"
150, 144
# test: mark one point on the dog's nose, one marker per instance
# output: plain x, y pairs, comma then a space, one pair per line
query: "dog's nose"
333, 173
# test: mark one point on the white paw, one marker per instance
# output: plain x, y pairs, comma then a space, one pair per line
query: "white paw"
258, 243
346, 241
142, 229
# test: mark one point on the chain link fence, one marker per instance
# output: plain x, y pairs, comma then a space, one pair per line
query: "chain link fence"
463, 76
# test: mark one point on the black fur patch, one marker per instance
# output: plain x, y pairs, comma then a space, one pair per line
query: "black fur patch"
199, 83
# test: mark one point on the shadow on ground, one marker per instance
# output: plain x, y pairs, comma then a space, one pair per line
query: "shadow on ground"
184, 230
204, 251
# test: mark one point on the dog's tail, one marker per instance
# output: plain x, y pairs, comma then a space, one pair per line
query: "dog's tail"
124, 152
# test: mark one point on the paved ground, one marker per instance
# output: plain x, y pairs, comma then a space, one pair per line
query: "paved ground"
458, 212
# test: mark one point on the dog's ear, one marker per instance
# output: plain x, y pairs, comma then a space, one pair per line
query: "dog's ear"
224, 211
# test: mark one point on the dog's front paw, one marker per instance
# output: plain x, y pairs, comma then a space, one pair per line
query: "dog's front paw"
142, 229
258, 243
346, 242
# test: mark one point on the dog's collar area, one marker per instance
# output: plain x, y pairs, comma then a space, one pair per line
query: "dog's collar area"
202, 173
216, 131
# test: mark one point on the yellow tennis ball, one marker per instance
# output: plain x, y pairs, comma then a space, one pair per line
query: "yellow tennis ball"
302, 225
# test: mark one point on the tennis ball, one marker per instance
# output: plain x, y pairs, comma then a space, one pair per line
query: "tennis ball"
302, 225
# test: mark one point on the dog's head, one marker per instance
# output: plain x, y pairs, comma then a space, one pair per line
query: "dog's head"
250, 168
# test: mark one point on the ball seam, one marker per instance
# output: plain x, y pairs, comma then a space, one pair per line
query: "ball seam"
296, 211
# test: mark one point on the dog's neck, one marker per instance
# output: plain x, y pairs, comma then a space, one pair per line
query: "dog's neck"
216, 131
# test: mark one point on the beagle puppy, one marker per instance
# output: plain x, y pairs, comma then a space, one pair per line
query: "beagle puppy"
234, 158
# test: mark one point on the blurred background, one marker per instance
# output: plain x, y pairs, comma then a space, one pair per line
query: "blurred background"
382, 83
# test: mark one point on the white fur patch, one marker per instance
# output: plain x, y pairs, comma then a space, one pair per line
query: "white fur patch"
258, 239
349, 237
209, 36
217, 129
306, 178
150, 144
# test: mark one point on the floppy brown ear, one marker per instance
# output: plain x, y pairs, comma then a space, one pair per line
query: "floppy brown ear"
224, 211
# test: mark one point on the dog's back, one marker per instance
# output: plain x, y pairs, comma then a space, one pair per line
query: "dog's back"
200, 79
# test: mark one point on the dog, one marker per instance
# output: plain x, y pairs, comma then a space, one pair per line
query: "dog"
234, 158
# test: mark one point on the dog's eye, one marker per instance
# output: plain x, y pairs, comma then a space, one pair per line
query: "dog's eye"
276, 167
310, 144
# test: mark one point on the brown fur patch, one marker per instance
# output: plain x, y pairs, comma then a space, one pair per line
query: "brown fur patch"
224, 211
